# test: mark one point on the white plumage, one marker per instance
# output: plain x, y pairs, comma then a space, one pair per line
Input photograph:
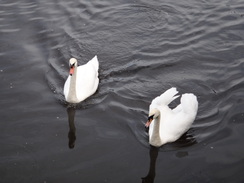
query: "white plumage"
168, 125
82, 81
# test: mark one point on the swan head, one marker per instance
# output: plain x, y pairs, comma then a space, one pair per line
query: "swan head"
72, 64
153, 114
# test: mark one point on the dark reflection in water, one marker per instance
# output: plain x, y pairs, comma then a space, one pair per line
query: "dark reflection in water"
71, 119
186, 140
183, 141
153, 153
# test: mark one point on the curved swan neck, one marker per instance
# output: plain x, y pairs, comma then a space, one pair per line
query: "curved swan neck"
155, 138
72, 87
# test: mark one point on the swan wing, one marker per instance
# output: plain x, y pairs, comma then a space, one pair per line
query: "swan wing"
174, 125
94, 62
87, 79
189, 104
164, 99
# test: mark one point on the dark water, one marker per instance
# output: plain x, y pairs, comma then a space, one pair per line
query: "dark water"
144, 48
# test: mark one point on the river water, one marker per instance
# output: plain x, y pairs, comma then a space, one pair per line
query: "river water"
144, 48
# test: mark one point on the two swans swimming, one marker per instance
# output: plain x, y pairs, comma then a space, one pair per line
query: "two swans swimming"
165, 125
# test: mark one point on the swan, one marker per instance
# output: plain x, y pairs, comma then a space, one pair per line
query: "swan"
167, 125
82, 81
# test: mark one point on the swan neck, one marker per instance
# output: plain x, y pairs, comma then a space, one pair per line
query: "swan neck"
155, 138
72, 87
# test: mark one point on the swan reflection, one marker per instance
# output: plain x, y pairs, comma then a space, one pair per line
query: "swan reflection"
153, 152
185, 140
72, 130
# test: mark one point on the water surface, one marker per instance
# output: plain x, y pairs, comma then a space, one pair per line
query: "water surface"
143, 48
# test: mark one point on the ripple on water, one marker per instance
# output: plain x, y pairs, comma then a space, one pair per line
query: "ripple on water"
145, 49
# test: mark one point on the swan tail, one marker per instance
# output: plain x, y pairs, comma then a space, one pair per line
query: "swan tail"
94, 62
167, 97
189, 104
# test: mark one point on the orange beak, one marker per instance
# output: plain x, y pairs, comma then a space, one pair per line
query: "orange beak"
71, 71
148, 123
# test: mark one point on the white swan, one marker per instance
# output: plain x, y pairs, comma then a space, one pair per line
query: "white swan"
82, 81
167, 125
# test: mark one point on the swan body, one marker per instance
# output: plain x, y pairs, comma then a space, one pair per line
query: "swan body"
167, 125
82, 81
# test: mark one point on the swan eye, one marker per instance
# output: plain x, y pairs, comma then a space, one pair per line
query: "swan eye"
72, 65
150, 118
